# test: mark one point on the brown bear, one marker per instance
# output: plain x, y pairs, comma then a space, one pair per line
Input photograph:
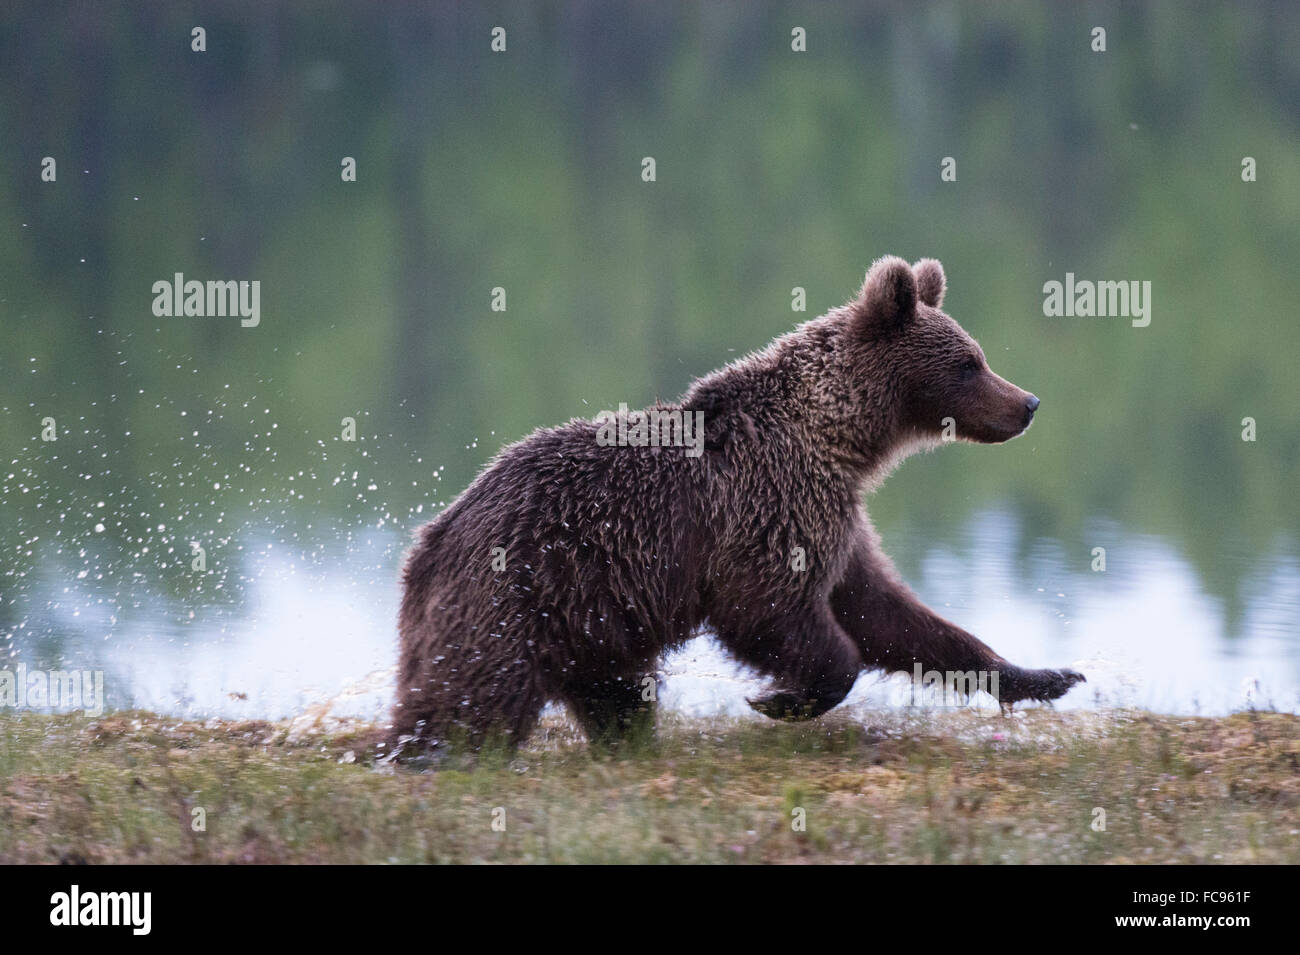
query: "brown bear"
572, 563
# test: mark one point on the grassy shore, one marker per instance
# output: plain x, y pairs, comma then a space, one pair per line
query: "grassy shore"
902, 787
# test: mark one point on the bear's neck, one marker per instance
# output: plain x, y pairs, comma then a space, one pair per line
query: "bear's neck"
798, 396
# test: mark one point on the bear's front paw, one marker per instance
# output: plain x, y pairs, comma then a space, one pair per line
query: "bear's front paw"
1039, 685
783, 705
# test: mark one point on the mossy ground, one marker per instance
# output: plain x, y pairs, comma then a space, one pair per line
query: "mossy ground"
951, 787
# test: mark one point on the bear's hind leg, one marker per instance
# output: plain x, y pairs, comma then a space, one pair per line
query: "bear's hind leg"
477, 694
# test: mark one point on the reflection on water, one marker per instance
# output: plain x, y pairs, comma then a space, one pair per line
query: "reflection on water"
306, 629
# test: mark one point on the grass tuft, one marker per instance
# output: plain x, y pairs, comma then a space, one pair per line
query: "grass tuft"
952, 787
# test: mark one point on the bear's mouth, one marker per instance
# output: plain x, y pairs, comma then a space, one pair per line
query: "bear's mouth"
996, 432
1009, 415
996, 429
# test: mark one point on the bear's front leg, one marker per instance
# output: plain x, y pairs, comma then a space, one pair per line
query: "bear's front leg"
613, 709
811, 658
894, 631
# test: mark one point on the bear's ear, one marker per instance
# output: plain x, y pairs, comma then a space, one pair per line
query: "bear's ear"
930, 282
888, 298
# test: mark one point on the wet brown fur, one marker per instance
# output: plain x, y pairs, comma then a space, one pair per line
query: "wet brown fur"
614, 555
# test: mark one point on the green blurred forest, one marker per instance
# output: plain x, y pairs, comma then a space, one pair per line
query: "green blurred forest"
522, 169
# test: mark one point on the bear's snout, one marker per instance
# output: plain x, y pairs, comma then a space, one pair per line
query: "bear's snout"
1031, 405
998, 410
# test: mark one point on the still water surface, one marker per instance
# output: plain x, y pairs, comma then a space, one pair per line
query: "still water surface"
315, 626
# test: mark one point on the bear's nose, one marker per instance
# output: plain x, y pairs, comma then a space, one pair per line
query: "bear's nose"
1032, 403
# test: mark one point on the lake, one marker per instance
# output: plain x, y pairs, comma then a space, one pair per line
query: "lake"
493, 259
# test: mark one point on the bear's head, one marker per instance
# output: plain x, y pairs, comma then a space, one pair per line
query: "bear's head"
933, 375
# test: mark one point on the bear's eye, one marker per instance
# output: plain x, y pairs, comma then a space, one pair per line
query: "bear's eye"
969, 367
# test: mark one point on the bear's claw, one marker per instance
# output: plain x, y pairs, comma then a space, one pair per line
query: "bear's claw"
789, 707
1043, 685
